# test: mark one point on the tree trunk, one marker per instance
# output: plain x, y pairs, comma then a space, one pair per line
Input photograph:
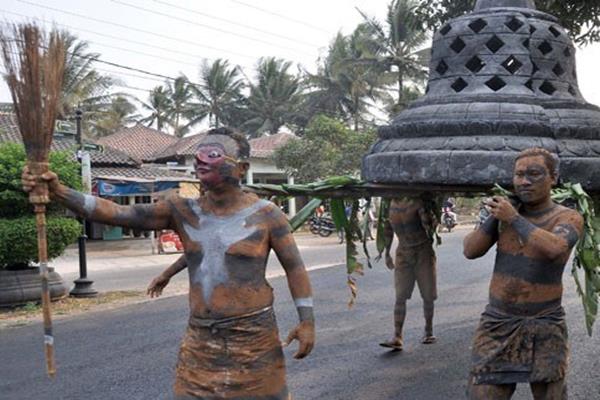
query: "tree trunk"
400, 87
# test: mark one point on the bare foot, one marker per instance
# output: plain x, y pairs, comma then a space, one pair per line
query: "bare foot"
395, 344
428, 339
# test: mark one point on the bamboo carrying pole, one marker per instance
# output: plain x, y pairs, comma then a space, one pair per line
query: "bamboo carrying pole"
34, 68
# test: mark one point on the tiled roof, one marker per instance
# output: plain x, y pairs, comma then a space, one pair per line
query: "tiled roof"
139, 141
184, 147
143, 172
9, 132
263, 147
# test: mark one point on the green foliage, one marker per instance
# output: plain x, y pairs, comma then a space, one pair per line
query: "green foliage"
327, 148
273, 98
580, 17
13, 201
22, 231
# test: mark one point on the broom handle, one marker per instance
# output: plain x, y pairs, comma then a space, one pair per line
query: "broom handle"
39, 198
40, 219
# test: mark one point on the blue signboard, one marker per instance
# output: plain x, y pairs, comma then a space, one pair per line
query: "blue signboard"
122, 188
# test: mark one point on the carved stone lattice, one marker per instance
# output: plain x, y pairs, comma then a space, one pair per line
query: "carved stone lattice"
502, 79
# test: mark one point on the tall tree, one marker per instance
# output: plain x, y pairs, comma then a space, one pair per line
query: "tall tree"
116, 114
219, 96
395, 48
327, 148
343, 87
273, 97
580, 17
159, 106
83, 85
180, 94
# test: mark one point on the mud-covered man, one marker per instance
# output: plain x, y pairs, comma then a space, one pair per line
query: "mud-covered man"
414, 225
231, 349
522, 335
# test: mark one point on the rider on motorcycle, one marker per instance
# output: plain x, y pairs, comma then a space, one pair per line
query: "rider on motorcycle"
448, 209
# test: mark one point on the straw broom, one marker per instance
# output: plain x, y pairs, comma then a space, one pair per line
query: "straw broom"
34, 67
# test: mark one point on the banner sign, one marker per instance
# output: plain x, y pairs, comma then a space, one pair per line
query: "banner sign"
122, 188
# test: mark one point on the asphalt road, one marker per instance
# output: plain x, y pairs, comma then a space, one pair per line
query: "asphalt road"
129, 353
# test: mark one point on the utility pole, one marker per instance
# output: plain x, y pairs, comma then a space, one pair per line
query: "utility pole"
83, 285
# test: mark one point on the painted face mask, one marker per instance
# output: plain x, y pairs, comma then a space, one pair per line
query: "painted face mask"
214, 166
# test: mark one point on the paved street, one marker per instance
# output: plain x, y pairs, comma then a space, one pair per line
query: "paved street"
129, 353
130, 265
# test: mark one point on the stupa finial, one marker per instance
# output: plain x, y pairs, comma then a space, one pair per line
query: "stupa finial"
484, 4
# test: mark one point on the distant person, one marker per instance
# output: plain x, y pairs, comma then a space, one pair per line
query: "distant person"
522, 334
414, 226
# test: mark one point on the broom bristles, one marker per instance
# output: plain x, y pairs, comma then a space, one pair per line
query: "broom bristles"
34, 64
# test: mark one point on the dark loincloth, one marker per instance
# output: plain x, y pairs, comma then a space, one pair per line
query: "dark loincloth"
234, 358
511, 348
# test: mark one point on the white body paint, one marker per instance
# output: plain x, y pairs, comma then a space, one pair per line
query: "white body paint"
89, 204
216, 235
304, 302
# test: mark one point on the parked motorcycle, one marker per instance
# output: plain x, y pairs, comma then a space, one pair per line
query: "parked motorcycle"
322, 226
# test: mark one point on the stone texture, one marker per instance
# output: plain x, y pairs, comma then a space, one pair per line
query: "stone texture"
502, 79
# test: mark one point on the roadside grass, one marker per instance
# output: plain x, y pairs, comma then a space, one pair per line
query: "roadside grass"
32, 311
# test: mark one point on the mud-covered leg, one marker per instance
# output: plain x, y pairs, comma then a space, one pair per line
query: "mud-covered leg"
428, 307
490, 392
549, 391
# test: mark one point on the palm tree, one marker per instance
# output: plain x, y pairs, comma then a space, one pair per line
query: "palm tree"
395, 48
117, 114
179, 93
344, 87
220, 94
159, 105
83, 86
273, 97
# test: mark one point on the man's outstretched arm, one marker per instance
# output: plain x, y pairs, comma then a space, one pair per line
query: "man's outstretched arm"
141, 216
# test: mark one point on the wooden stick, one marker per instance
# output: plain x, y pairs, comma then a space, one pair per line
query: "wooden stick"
39, 198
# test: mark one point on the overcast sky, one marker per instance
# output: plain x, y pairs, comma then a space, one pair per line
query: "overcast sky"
169, 37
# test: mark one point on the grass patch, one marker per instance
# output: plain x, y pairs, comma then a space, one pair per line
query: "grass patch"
67, 306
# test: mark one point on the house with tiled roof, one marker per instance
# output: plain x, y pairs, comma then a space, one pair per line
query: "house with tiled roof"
139, 141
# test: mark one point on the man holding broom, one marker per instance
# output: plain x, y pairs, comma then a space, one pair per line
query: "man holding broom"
522, 335
231, 349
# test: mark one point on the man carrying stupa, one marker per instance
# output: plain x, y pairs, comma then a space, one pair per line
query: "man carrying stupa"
414, 226
522, 334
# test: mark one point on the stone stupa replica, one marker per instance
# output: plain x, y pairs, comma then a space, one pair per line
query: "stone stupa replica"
502, 79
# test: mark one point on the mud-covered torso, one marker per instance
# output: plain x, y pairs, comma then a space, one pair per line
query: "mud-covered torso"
227, 257
525, 281
406, 222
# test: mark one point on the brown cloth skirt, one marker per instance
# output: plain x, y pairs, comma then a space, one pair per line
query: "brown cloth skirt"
511, 348
234, 358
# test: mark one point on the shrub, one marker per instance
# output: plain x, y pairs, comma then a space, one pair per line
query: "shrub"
18, 235
19, 239
13, 201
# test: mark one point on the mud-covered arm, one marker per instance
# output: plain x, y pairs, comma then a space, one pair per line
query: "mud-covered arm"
283, 243
479, 241
140, 216
179, 265
159, 283
286, 250
555, 243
